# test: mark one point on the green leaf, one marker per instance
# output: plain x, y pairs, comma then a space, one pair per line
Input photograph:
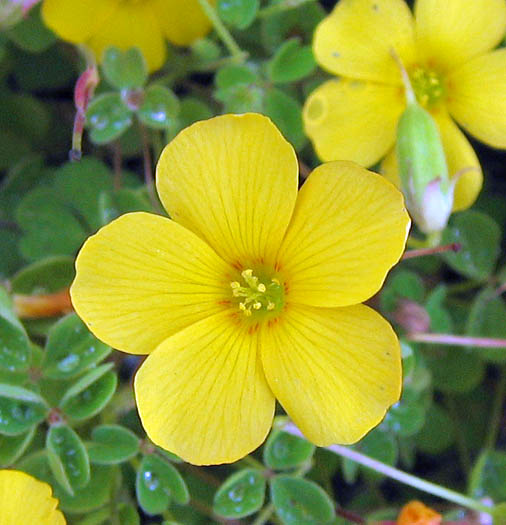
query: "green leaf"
156, 483
159, 108
46, 276
33, 120
286, 113
71, 349
454, 369
440, 319
488, 477
479, 237
108, 118
20, 409
67, 458
124, 69
31, 34
406, 417
241, 495
378, 445
92, 400
40, 214
113, 204
93, 496
13, 447
241, 98
112, 444
238, 13
292, 62
403, 284
233, 75
487, 318
79, 185
499, 514
191, 110
303, 20
408, 360
438, 433
15, 347
300, 502
284, 451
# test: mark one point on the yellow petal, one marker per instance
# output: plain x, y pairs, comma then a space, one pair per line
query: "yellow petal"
335, 370
477, 97
202, 393
26, 500
353, 120
459, 157
182, 22
134, 24
142, 278
349, 228
77, 21
462, 162
357, 38
450, 32
233, 181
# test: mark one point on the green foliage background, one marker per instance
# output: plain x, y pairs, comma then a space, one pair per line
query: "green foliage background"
67, 413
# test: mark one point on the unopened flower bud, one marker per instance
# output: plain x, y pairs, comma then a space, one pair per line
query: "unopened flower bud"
423, 171
424, 176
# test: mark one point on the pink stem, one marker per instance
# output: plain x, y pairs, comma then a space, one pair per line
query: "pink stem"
459, 340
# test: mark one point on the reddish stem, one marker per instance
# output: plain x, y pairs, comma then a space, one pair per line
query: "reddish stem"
453, 247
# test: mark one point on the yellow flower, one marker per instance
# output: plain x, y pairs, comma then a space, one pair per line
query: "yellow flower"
25, 500
250, 293
447, 50
127, 23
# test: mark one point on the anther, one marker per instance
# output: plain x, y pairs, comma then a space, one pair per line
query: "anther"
261, 288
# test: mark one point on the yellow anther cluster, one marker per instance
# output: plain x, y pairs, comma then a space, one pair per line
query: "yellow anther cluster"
427, 85
256, 295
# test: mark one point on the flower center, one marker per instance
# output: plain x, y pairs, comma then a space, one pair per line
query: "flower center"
428, 86
257, 296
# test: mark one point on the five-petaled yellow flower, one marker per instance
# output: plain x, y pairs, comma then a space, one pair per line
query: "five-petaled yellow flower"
25, 500
447, 51
145, 24
249, 293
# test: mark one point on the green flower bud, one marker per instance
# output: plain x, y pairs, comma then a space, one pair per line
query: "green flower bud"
423, 171
424, 176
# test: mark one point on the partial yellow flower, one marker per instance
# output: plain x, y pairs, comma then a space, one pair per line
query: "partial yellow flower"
26, 500
447, 50
128, 23
250, 293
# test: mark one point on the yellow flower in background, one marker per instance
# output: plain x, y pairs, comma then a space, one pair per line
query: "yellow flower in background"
447, 50
27, 501
127, 23
250, 293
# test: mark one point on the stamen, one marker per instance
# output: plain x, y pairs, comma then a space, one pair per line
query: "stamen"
257, 296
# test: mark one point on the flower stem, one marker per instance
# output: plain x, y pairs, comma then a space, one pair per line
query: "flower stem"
453, 247
495, 420
222, 31
458, 340
399, 475
265, 515
281, 6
